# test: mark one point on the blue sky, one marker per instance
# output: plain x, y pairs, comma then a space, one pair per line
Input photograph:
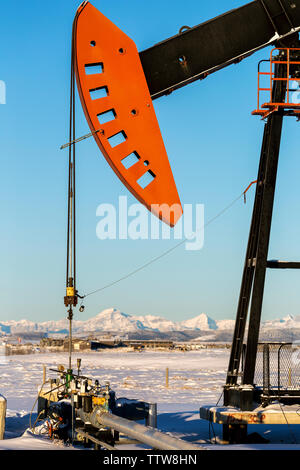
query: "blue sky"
213, 144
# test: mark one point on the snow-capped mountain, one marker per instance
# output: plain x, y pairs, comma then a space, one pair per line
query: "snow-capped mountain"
110, 319
286, 322
113, 320
225, 324
155, 323
201, 322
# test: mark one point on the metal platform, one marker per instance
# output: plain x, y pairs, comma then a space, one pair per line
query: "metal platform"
235, 422
272, 414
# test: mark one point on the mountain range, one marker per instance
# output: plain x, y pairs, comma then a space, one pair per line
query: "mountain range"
115, 321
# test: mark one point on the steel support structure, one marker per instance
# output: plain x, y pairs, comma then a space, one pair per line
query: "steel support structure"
253, 280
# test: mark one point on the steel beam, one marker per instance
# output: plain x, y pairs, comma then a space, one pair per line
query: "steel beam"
276, 264
272, 148
257, 250
198, 51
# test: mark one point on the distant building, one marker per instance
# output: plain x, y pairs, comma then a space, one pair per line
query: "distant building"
104, 342
150, 343
52, 342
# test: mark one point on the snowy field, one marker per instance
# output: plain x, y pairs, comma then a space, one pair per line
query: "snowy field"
195, 379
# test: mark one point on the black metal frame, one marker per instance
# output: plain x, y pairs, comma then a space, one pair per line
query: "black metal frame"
243, 395
257, 250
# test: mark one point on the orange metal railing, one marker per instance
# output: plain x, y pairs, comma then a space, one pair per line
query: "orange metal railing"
291, 104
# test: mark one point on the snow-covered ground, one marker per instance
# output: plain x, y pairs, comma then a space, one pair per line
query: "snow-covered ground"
195, 378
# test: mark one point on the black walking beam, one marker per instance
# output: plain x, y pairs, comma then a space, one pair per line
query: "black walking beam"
201, 50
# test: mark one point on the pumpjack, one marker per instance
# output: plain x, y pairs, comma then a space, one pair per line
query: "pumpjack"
117, 86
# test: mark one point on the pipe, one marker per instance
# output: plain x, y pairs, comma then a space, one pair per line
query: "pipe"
155, 439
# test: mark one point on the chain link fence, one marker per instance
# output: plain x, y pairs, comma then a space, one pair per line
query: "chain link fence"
278, 366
